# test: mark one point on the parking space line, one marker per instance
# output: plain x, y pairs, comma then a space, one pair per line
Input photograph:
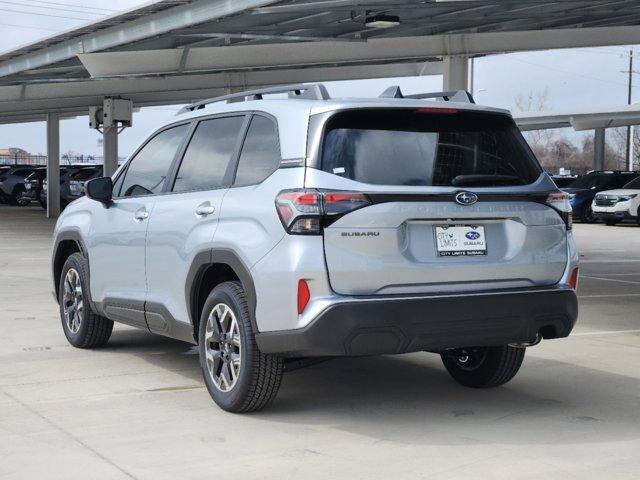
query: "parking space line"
605, 295
610, 332
611, 279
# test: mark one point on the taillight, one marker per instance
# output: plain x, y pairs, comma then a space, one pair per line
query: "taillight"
306, 212
559, 201
573, 279
303, 296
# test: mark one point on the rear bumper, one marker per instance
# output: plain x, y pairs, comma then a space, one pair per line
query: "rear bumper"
372, 326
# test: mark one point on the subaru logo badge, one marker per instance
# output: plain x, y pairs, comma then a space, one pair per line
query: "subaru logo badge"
466, 198
472, 235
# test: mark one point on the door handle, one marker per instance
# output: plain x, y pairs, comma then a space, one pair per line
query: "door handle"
205, 209
141, 215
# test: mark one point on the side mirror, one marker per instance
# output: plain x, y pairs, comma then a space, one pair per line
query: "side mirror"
100, 189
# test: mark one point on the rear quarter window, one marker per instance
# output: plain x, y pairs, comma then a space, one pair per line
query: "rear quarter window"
427, 146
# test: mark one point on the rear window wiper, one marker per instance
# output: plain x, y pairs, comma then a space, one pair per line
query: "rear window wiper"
486, 180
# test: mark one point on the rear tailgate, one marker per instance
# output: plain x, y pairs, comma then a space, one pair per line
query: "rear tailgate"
472, 219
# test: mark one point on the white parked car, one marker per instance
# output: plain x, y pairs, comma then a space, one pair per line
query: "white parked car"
613, 206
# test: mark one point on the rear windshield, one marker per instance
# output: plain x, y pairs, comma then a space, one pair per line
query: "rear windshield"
85, 174
426, 147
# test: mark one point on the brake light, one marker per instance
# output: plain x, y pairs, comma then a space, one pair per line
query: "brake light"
443, 111
559, 201
573, 279
306, 212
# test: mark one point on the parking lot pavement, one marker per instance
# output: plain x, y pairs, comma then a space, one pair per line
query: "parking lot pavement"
138, 408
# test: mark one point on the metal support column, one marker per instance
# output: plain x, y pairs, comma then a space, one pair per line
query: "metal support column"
598, 149
456, 73
110, 150
53, 165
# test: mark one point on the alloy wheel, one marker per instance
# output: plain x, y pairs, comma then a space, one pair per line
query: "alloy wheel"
223, 347
469, 358
73, 301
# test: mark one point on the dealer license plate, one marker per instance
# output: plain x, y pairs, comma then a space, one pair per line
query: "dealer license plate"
460, 240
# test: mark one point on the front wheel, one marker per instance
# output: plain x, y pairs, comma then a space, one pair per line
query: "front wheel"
611, 223
82, 327
483, 367
239, 377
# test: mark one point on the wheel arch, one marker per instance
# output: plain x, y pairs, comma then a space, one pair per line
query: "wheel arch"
210, 268
66, 244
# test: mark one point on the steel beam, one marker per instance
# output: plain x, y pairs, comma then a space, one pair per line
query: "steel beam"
74, 98
456, 73
53, 165
110, 150
599, 149
148, 26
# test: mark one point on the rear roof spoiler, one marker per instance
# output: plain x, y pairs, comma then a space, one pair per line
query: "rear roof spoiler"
461, 96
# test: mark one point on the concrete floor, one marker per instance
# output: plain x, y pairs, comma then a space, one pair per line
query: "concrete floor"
138, 408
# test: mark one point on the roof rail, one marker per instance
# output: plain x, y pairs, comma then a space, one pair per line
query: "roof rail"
461, 96
312, 91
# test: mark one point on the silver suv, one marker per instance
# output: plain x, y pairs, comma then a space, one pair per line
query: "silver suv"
275, 231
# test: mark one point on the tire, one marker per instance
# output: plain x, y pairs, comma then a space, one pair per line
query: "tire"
43, 203
257, 376
18, 198
586, 214
484, 367
87, 329
611, 223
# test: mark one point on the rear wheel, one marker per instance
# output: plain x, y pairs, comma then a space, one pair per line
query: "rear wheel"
238, 376
586, 215
19, 198
483, 367
82, 327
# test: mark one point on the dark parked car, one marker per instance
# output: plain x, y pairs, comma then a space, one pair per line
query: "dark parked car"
12, 187
33, 183
72, 180
583, 190
563, 181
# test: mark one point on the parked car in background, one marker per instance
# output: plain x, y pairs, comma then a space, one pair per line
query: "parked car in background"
79, 178
67, 176
583, 190
12, 186
613, 206
33, 183
563, 181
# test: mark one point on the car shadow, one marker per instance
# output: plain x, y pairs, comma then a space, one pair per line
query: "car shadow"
411, 398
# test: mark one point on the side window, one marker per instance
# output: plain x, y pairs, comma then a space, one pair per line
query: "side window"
207, 160
149, 168
260, 155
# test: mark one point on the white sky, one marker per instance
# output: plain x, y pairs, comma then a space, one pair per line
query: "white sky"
579, 78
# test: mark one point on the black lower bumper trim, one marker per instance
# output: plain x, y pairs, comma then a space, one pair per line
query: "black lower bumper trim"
614, 216
386, 326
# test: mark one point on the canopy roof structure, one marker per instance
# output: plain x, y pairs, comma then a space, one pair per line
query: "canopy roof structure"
175, 51
612, 117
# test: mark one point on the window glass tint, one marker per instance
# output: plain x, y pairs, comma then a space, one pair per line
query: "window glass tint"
148, 170
85, 174
207, 160
621, 180
592, 180
421, 147
634, 184
260, 155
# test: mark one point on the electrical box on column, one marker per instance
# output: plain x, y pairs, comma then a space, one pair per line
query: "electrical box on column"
114, 112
